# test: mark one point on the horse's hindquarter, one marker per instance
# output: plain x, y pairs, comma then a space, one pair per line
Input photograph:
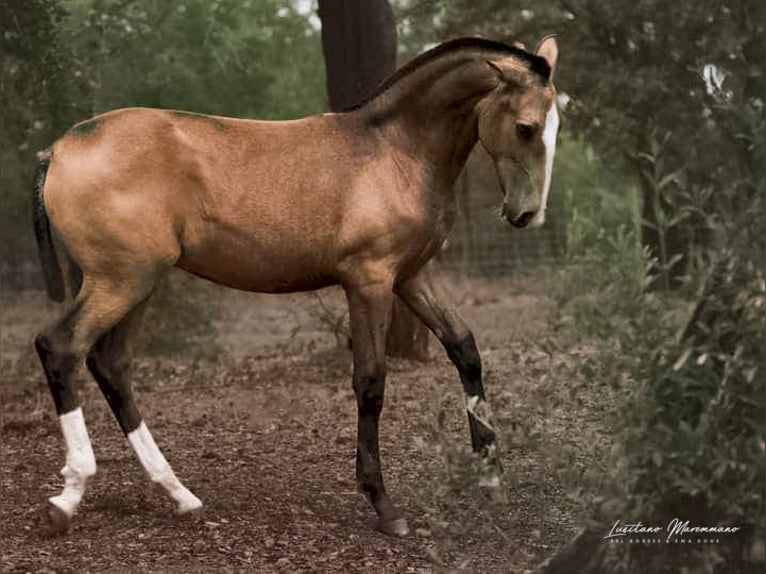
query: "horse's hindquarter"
107, 193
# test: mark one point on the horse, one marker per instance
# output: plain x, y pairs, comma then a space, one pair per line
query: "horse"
362, 199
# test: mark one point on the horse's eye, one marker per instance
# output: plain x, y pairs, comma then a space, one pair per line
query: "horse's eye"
525, 131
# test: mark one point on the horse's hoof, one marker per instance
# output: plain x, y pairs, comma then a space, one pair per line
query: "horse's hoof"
494, 488
56, 522
396, 527
187, 503
191, 513
498, 495
191, 506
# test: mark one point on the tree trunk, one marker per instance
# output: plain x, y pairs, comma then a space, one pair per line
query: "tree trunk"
359, 46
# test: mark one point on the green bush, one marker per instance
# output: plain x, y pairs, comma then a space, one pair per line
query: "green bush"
693, 431
597, 199
689, 430
603, 290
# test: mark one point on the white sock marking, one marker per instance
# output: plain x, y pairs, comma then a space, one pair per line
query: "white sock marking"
80, 462
549, 140
159, 470
490, 481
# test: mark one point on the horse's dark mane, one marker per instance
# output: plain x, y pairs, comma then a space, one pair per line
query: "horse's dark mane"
535, 63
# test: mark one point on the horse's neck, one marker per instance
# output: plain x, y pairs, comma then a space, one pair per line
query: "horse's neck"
432, 111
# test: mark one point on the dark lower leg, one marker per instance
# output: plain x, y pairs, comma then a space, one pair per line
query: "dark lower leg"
369, 392
370, 312
460, 345
111, 367
465, 356
59, 365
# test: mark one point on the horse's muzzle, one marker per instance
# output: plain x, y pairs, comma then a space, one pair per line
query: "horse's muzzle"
517, 220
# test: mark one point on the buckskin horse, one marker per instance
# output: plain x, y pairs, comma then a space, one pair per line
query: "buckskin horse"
362, 199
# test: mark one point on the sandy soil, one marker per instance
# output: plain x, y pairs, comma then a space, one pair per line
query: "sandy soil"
264, 435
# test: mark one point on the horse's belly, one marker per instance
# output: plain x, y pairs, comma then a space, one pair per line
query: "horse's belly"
265, 269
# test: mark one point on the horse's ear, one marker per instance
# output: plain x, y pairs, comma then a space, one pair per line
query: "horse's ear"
498, 71
548, 49
506, 75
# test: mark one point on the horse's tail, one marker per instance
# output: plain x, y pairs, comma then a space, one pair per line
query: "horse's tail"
54, 278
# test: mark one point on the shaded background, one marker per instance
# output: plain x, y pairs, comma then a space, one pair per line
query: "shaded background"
651, 265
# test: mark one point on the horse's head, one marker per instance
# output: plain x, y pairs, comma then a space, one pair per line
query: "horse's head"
518, 125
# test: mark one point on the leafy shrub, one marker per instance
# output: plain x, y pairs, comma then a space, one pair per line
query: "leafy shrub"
689, 433
597, 199
603, 290
693, 432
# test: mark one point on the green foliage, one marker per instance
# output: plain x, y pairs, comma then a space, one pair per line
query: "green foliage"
251, 59
690, 434
598, 200
692, 441
661, 210
604, 287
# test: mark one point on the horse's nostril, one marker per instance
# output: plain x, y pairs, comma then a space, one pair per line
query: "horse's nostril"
524, 219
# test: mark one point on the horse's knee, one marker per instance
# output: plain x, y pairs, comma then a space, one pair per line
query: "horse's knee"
369, 387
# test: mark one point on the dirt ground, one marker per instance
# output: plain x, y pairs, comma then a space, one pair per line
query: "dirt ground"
265, 436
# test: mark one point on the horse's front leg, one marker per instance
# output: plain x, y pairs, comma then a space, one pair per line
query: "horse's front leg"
369, 303
443, 320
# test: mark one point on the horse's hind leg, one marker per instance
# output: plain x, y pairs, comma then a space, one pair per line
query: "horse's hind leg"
60, 359
110, 364
100, 305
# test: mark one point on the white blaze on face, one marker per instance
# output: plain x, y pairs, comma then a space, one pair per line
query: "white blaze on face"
159, 470
550, 132
80, 462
